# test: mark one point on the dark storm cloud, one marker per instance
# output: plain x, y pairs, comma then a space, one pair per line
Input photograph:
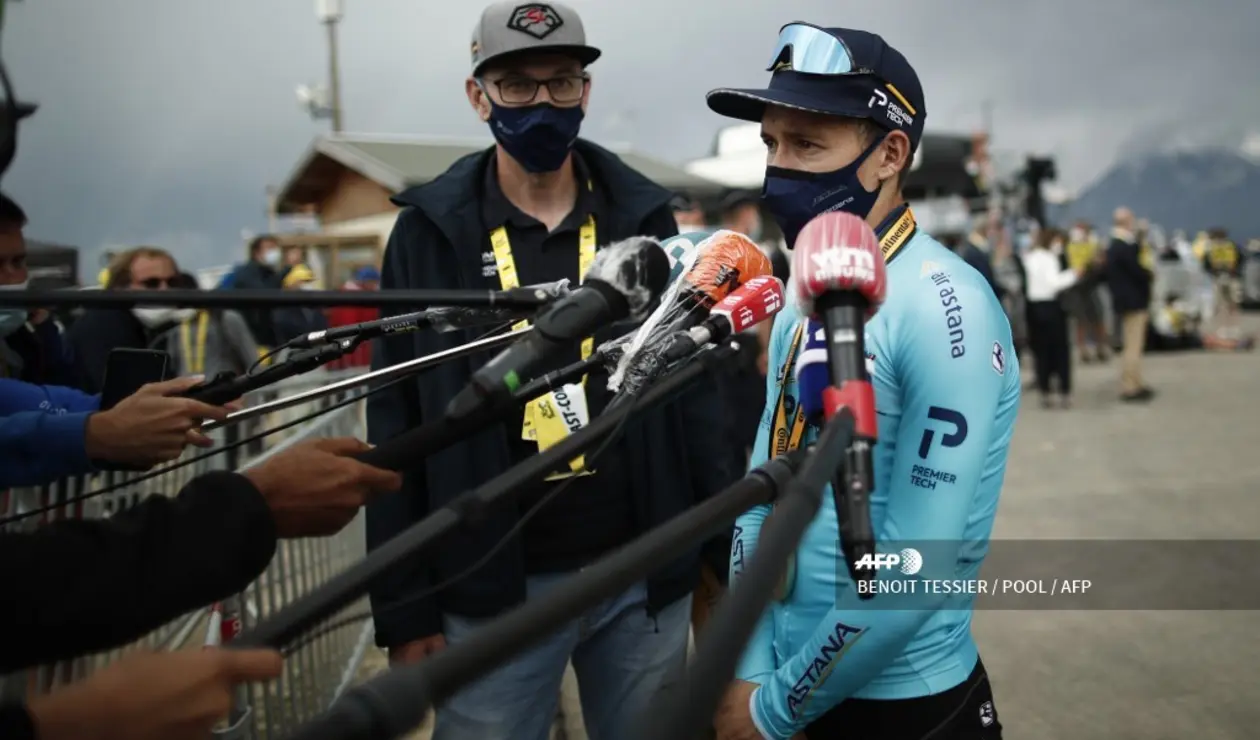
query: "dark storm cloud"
164, 121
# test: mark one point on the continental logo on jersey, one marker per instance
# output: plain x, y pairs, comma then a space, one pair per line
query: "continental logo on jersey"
894, 239
953, 314
782, 436
838, 643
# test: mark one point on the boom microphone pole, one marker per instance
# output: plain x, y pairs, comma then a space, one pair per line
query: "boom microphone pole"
384, 374
467, 509
442, 318
393, 703
686, 711
516, 298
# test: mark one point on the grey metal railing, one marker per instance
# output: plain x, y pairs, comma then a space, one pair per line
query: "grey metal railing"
316, 672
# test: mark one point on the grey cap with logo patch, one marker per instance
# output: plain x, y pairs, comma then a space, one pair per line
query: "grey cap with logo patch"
514, 27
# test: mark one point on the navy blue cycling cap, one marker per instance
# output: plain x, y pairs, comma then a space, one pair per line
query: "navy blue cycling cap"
833, 71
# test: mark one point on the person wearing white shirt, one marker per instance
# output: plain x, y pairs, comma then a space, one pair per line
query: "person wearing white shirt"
1046, 279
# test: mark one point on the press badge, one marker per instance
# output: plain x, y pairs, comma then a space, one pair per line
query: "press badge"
556, 416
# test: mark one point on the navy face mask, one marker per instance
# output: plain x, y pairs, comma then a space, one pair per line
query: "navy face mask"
538, 136
795, 197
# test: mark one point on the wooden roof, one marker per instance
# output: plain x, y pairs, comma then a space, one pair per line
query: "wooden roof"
399, 162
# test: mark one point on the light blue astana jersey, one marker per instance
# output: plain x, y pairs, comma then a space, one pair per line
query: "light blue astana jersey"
947, 388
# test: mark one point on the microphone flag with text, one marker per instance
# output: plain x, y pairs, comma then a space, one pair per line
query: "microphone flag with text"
750, 304
722, 263
841, 280
624, 279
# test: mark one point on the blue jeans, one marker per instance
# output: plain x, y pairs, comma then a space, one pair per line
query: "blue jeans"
621, 655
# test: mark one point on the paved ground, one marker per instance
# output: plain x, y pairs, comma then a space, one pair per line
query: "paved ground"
1186, 466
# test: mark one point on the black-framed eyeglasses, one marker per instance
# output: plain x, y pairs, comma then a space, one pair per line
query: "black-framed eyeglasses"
521, 90
154, 283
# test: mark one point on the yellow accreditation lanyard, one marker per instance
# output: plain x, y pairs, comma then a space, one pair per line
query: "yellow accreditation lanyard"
195, 362
785, 436
543, 422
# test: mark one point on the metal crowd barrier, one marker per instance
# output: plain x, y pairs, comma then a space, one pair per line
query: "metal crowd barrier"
317, 671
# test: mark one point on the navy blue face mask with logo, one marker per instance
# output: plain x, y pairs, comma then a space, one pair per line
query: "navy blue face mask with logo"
795, 197
540, 136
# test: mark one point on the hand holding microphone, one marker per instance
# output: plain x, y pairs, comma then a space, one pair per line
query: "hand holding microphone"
841, 280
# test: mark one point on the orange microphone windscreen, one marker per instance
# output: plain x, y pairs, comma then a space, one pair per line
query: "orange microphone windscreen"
727, 260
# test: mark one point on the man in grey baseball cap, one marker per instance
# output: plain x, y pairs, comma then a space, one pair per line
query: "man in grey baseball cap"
534, 208
510, 28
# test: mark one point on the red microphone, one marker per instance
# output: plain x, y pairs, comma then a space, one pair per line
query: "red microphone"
841, 279
743, 308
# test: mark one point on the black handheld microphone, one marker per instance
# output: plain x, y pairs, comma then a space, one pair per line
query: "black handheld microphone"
624, 280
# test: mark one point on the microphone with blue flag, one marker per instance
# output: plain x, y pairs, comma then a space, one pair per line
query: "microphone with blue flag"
813, 374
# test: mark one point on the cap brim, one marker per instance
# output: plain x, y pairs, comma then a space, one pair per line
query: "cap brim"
750, 104
585, 55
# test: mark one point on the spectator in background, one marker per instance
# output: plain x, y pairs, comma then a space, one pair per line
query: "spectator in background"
292, 321
1047, 279
745, 384
1082, 301
102, 330
294, 256
102, 277
975, 251
1130, 285
210, 342
1223, 262
688, 214
261, 272
31, 345
364, 278
741, 212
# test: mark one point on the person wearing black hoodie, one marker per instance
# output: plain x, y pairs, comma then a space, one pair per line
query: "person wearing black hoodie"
263, 271
531, 209
102, 330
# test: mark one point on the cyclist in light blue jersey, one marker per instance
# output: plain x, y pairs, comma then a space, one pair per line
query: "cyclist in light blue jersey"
841, 119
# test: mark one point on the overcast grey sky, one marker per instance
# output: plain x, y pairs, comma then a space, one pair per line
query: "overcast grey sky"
162, 121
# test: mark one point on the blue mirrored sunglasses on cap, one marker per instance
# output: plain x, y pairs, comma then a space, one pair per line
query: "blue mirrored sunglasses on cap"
812, 50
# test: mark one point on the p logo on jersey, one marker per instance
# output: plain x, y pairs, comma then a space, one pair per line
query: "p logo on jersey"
953, 420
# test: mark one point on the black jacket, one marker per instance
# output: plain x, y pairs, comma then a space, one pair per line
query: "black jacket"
1128, 280
975, 257
98, 332
77, 587
46, 355
675, 451
257, 276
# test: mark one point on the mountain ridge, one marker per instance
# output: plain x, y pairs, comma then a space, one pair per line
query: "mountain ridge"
1177, 189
